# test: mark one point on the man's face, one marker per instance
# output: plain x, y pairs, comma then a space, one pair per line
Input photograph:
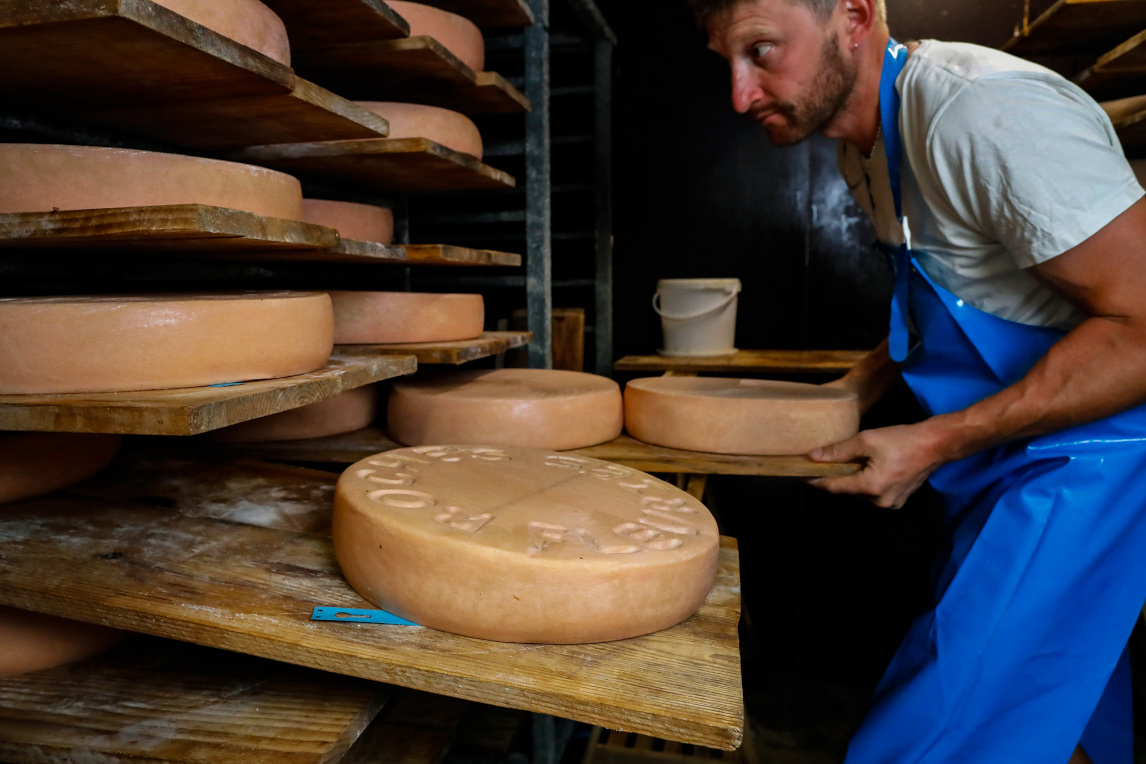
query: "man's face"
788, 72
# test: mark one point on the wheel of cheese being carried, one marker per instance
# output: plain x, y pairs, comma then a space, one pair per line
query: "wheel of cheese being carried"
738, 416
347, 412
518, 545
457, 34
362, 222
37, 463
56, 345
385, 318
449, 128
40, 178
530, 408
246, 21
34, 642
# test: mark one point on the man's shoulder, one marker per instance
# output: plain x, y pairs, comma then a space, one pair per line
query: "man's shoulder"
963, 63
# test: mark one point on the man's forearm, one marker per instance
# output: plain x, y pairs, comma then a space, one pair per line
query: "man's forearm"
872, 377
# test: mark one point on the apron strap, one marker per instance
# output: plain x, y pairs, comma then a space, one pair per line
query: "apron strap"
889, 104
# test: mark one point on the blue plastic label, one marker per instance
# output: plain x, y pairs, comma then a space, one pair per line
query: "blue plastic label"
350, 615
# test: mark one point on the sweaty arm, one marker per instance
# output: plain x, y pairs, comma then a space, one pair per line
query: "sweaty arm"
1096, 370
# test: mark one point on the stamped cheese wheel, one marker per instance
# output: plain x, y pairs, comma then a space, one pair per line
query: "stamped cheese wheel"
347, 412
362, 222
246, 21
449, 128
33, 641
457, 34
518, 545
41, 177
738, 416
36, 463
383, 318
51, 345
530, 408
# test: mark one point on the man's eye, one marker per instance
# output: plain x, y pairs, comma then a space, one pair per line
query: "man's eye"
761, 50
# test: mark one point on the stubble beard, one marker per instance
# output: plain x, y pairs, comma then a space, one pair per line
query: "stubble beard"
830, 90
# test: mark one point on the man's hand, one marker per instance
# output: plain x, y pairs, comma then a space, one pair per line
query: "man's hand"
896, 462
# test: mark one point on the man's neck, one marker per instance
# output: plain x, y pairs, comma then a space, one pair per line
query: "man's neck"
859, 122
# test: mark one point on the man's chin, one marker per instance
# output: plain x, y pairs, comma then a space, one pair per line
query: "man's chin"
784, 135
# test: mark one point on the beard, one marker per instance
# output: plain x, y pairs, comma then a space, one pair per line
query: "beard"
830, 90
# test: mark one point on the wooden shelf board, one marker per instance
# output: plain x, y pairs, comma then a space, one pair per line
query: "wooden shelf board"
1079, 26
1119, 73
397, 165
750, 361
1128, 115
138, 67
353, 446
490, 14
447, 254
315, 25
248, 589
193, 410
415, 728
453, 353
413, 70
160, 701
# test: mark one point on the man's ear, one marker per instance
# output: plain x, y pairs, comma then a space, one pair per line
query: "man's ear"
858, 18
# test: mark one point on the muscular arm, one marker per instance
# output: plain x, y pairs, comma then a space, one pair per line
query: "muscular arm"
1097, 370
871, 378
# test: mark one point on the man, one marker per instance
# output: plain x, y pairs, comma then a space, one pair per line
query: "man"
1020, 321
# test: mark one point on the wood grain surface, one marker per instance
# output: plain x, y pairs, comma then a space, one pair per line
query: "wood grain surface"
413, 70
313, 24
448, 254
194, 410
136, 66
453, 353
404, 164
160, 701
489, 13
750, 361
1078, 27
415, 728
248, 589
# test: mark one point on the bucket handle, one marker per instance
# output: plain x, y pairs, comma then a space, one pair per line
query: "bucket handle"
657, 307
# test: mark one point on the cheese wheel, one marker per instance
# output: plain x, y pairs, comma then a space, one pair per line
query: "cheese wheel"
362, 222
246, 21
350, 411
531, 408
738, 416
449, 128
36, 463
51, 345
383, 318
33, 641
457, 34
517, 545
39, 178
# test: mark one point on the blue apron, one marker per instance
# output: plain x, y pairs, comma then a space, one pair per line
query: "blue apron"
1022, 654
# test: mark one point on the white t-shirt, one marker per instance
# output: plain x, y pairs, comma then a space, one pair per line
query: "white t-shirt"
1007, 165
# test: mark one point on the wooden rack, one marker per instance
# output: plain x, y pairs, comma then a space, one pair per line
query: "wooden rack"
446, 254
1128, 115
194, 410
1121, 72
138, 67
394, 165
1079, 26
749, 362
95, 556
451, 353
331, 22
489, 13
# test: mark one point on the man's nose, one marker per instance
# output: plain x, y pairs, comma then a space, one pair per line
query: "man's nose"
745, 90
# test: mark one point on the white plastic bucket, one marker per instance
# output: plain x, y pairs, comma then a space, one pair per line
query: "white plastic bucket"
698, 316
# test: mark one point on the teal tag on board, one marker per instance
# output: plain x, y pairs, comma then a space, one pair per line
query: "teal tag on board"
351, 615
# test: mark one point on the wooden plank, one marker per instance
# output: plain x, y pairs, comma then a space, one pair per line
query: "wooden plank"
750, 362
413, 70
158, 701
1078, 27
1128, 116
354, 251
489, 14
397, 165
138, 67
354, 446
313, 24
446, 254
1119, 73
416, 728
251, 590
454, 353
194, 410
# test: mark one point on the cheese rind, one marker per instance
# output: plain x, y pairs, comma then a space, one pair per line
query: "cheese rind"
362, 222
34, 641
738, 416
449, 128
384, 318
347, 412
246, 21
457, 34
517, 545
124, 343
530, 408
37, 463
42, 177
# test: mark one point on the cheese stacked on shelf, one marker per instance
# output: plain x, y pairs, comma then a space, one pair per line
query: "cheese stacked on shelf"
245, 21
